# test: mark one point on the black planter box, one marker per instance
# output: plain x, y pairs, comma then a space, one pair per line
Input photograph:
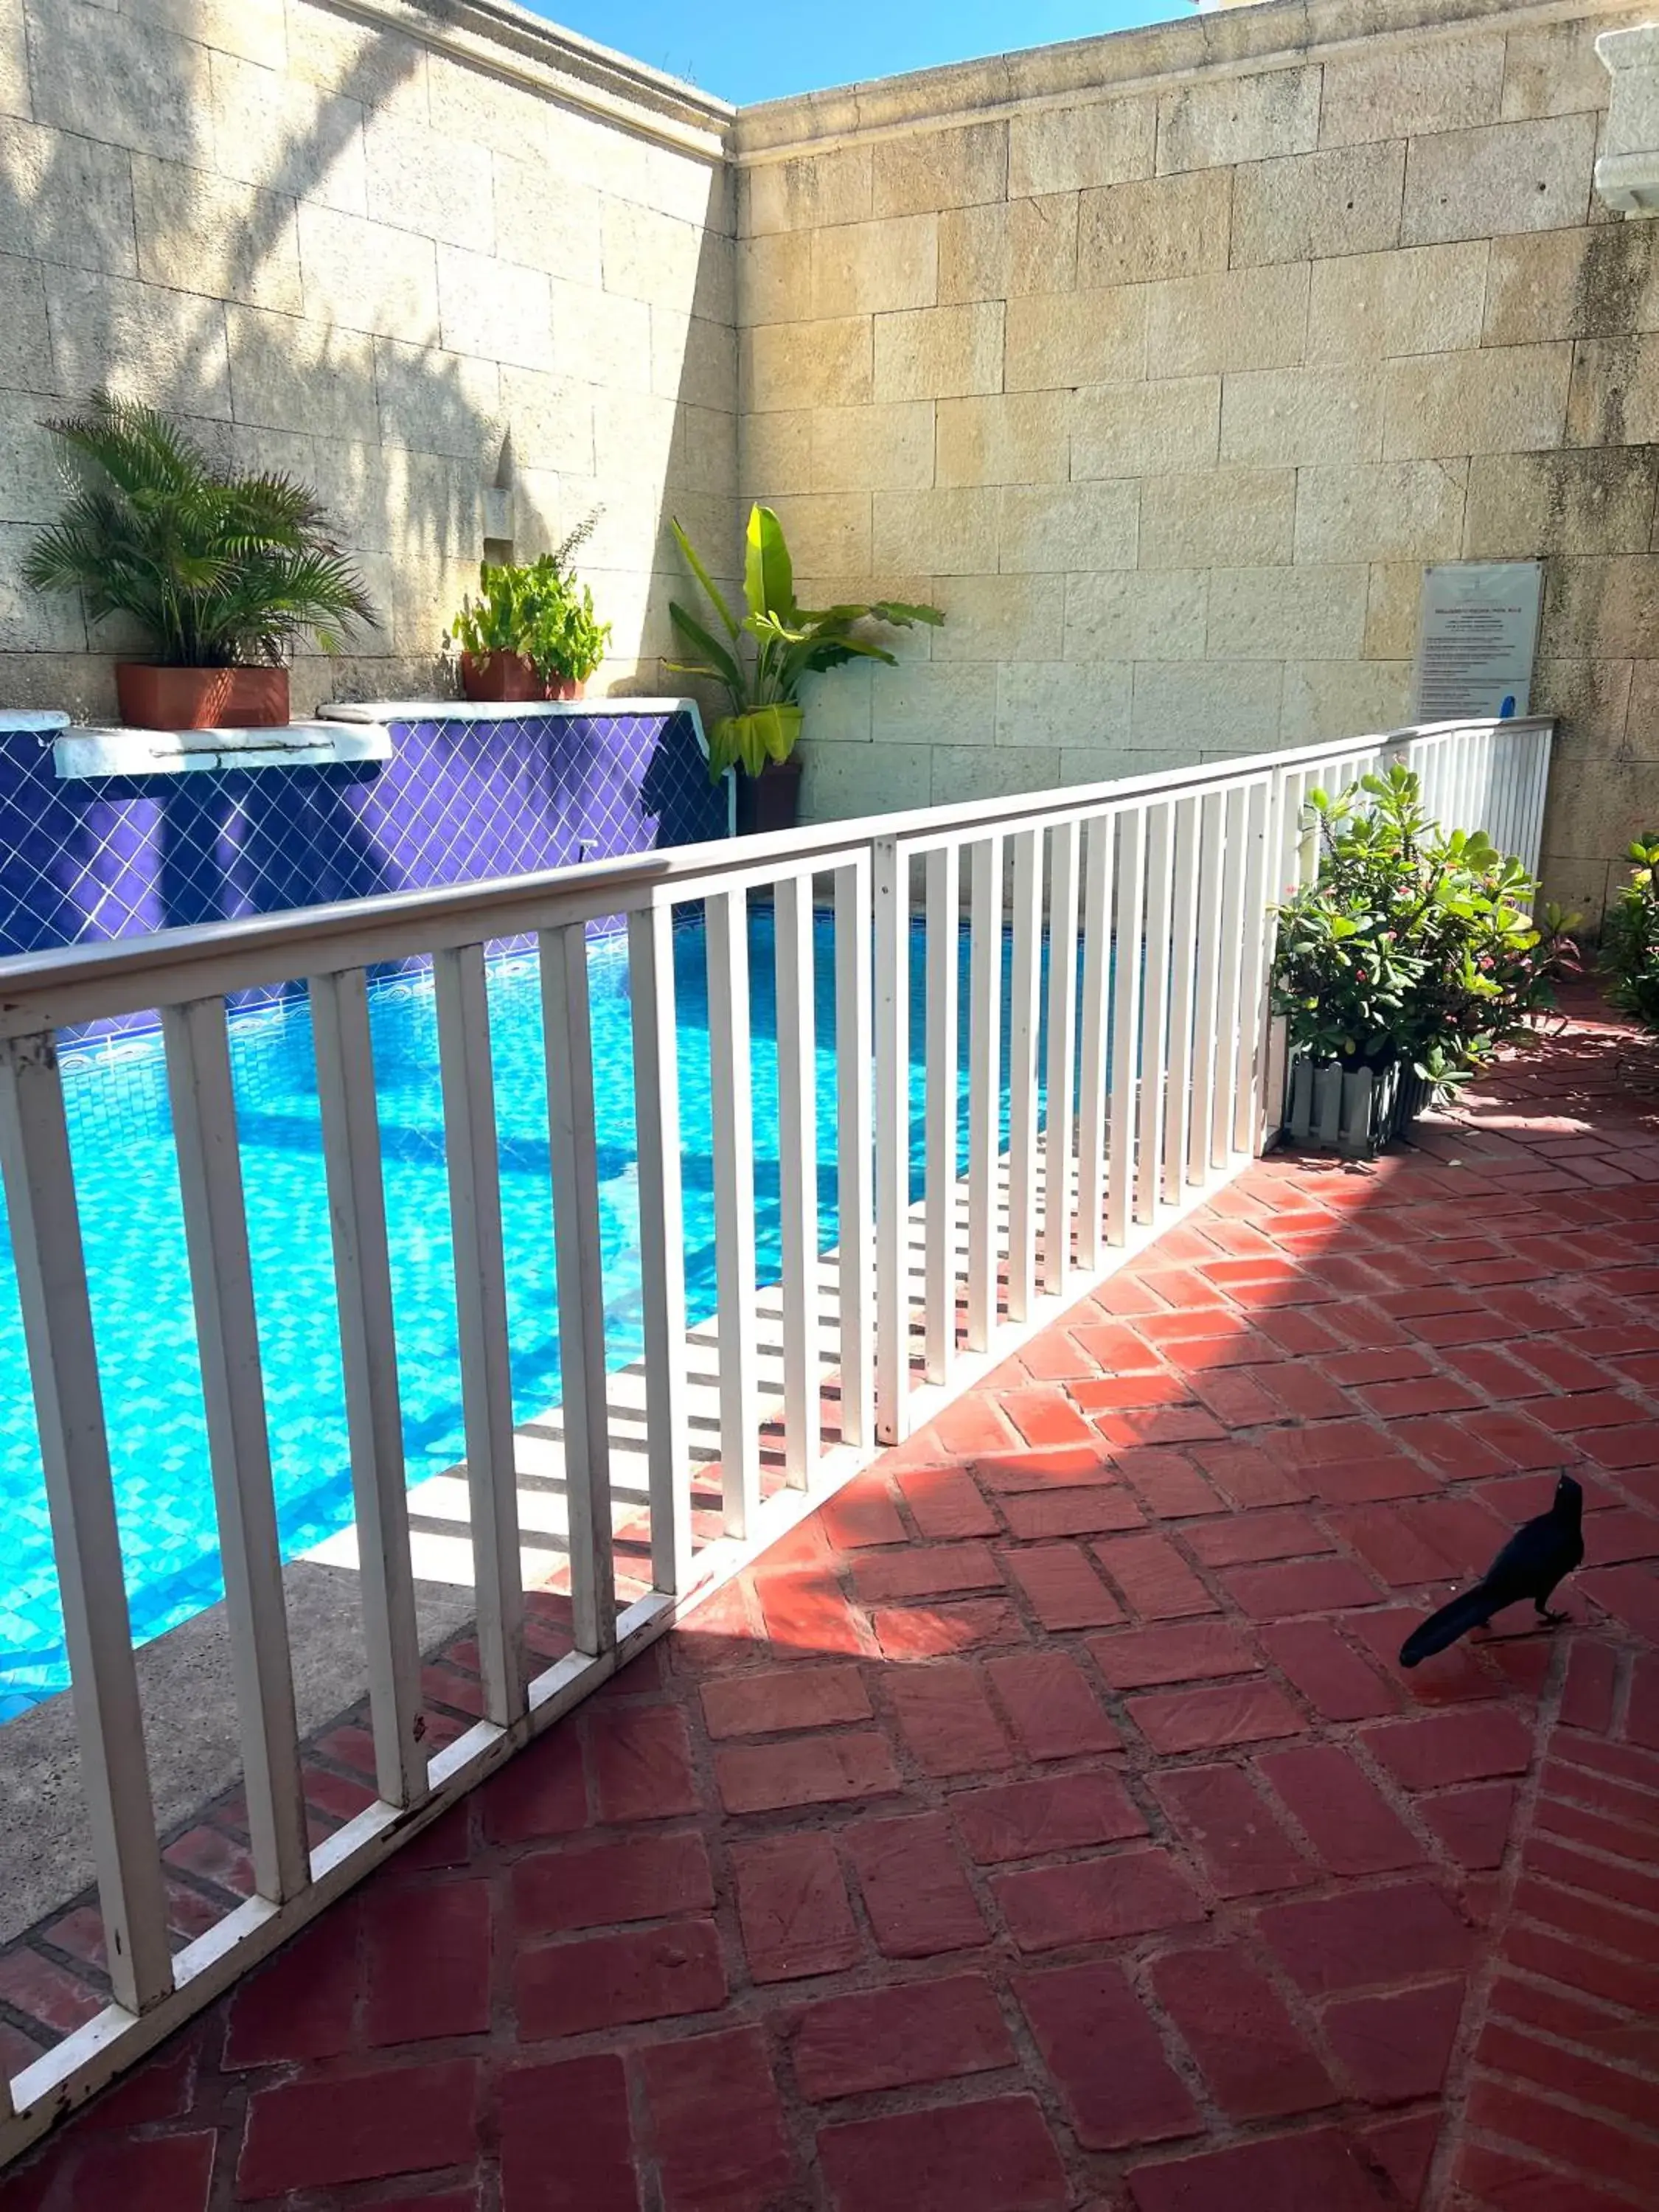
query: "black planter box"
1352, 1110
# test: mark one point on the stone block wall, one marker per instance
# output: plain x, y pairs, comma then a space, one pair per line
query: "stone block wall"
1162, 361
1165, 362
410, 253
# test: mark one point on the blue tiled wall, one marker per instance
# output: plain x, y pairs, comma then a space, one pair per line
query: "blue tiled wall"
459, 802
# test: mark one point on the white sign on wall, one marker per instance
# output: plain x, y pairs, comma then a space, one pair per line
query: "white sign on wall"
1477, 634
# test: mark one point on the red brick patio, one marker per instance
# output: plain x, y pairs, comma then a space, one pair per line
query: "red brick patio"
1047, 1823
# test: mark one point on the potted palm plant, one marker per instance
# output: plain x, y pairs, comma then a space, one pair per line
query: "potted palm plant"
532, 633
759, 738
223, 573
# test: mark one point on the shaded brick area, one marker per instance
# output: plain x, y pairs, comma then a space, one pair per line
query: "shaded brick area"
1047, 1823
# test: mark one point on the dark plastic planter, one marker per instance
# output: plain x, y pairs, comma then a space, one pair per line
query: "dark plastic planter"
1355, 1111
770, 801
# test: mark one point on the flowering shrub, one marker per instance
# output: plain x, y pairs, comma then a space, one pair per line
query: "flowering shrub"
1630, 936
1411, 944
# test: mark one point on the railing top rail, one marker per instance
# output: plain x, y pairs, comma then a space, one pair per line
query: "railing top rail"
83, 982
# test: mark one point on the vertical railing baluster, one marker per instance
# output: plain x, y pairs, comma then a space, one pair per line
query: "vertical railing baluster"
1062, 1048
892, 898
984, 1090
662, 1241
1227, 1018
798, 1174
1023, 987
1273, 1073
573, 1158
1091, 1107
1128, 963
1293, 789
1253, 978
1303, 828
204, 1102
52, 1283
473, 1165
1183, 982
1154, 1029
732, 1110
855, 1325
944, 894
1207, 971
1507, 754
1524, 749
1533, 841
368, 1351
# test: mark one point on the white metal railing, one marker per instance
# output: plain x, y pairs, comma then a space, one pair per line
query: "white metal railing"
1152, 895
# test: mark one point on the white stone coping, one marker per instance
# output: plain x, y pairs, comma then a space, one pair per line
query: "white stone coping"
499, 710
512, 42
47, 720
1220, 41
79, 753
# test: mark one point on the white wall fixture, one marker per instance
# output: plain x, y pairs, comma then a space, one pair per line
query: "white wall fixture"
1628, 169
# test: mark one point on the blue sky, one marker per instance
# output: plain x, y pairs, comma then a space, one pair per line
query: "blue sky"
741, 56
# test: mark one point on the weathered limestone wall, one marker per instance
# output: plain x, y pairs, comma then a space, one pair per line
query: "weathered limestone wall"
367, 244
1163, 361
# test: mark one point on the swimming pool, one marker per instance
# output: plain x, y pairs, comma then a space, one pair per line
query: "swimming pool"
132, 1222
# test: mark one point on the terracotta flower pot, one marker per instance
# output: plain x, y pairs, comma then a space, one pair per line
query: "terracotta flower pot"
152, 698
490, 676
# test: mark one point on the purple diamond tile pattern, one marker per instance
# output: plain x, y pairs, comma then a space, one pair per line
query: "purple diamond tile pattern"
459, 802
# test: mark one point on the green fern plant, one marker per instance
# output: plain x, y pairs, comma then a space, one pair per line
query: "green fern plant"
218, 571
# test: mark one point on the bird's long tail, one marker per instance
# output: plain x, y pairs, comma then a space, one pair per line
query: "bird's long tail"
1473, 1609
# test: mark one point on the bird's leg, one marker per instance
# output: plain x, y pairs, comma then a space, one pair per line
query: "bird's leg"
1547, 1618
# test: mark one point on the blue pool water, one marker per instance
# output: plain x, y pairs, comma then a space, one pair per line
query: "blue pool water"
127, 1178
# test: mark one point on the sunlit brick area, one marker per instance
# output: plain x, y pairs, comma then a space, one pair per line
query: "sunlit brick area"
1048, 1822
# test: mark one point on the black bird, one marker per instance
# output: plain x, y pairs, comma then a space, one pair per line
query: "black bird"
1537, 1557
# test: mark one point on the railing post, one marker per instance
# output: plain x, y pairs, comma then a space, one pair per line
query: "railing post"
797, 1173
1233, 926
204, 1103
1155, 1015
984, 1088
1253, 982
732, 1106
891, 867
662, 1241
52, 1283
368, 1351
573, 1158
854, 1142
1062, 1048
942, 869
1128, 953
1024, 989
1532, 839
473, 1162
1183, 978
1211, 873
1097, 1039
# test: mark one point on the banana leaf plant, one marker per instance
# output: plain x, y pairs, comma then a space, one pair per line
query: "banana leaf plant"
762, 677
